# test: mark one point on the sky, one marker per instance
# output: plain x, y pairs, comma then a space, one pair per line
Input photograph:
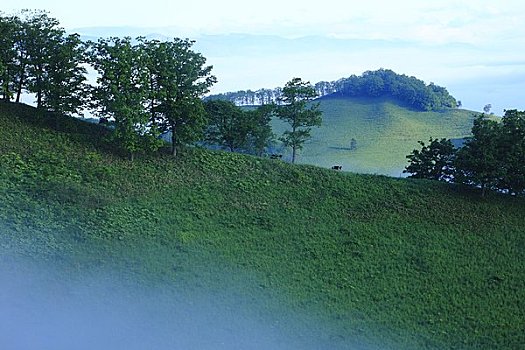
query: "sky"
471, 47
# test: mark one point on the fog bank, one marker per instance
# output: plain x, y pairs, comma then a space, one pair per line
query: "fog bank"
43, 308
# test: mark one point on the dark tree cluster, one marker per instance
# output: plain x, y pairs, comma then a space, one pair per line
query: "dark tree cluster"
492, 159
249, 97
409, 90
144, 88
37, 56
238, 129
149, 87
249, 130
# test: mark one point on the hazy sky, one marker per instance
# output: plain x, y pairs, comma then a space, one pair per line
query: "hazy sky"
472, 21
472, 47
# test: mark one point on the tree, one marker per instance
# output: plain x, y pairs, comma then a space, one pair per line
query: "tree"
63, 88
353, 144
512, 148
9, 29
261, 134
234, 128
41, 35
178, 78
299, 113
487, 108
480, 161
228, 125
122, 94
434, 161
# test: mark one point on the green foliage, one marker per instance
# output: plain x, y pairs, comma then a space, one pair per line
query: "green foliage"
491, 159
512, 145
432, 162
261, 134
122, 92
410, 91
9, 29
64, 89
479, 162
298, 114
405, 264
178, 78
228, 125
235, 128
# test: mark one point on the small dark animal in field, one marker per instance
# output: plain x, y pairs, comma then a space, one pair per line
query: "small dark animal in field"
337, 167
276, 156
103, 120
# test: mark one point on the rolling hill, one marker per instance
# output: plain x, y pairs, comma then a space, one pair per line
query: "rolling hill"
385, 132
322, 258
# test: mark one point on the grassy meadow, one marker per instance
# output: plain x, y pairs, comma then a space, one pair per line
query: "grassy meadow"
392, 263
384, 130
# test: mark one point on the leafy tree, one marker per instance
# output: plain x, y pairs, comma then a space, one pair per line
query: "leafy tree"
42, 35
261, 134
234, 128
512, 148
480, 161
64, 89
487, 108
121, 92
178, 78
228, 124
10, 26
299, 113
434, 161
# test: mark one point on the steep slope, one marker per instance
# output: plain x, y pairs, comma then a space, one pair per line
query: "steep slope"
361, 261
385, 133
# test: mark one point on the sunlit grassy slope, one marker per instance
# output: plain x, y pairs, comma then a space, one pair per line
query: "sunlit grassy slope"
385, 133
393, 263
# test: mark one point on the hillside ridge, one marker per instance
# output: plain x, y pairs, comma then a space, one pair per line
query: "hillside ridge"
384, 262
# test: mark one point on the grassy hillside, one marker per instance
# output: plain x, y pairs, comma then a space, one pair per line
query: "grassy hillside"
391, 263
385, 133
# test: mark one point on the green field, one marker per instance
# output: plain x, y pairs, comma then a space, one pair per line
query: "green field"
385, 133
391, 263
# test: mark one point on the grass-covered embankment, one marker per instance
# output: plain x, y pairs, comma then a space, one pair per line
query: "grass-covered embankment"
385, 132
410, 264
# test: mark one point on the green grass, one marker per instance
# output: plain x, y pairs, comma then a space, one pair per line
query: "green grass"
385, 133
412, 264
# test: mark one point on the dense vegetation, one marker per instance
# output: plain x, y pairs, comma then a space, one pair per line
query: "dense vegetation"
145, 88
396, 263
492, 158
407, 90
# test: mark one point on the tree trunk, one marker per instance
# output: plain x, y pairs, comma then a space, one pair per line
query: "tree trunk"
39, 99
19, 89
173, 144
293, 154
131, 156
483, 190
20, 82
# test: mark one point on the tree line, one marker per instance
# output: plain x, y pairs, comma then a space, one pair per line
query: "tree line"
382, 82
144, 88
493, 158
